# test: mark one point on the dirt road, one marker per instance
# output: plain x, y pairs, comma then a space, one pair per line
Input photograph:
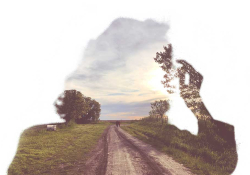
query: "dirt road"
118, 153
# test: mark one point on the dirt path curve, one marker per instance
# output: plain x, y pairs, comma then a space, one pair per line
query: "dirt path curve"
118, 153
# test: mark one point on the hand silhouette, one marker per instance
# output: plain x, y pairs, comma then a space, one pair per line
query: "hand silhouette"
195, 77
191, 92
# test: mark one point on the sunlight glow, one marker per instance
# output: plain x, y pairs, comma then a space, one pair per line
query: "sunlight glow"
154, 83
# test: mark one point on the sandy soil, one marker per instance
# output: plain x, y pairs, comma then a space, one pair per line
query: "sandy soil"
118, 153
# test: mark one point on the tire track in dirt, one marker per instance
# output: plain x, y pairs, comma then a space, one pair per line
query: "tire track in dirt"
118, 153
125, 158
154, 166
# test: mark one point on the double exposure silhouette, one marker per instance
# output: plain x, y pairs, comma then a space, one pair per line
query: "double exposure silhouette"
217, 135
191, 92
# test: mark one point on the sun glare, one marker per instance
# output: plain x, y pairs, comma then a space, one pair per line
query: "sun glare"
154, 83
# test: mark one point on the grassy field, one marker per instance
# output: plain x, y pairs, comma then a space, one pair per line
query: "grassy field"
55, 152
208, 153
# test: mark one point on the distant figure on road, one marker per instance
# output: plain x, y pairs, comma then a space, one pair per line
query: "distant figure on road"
117, 123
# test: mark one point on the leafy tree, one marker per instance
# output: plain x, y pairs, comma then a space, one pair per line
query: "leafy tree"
93, 114
154, 116
165, 60
94, 110
160, 107
152, 113
71, 105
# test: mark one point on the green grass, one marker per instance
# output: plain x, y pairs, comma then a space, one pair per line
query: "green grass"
210, 152
55, 152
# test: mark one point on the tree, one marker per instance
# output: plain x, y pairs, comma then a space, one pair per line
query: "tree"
160, 107
71, 105
165, 60
94, 110
152, 113
93, 114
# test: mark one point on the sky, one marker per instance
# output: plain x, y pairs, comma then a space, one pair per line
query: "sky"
118, 69
44, 44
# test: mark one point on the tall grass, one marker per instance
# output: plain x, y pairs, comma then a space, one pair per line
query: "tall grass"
212, 151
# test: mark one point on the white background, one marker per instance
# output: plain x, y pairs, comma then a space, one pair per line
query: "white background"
42, 42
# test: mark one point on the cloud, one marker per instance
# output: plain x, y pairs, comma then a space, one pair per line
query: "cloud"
118, 66
117, 94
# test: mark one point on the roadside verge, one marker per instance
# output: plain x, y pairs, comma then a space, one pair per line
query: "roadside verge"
55, 152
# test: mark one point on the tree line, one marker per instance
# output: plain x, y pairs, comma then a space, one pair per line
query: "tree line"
72, 105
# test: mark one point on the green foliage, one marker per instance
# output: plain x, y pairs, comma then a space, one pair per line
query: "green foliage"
94, 109
165, 60
73, 105
59, 152
160, 108
208, 153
